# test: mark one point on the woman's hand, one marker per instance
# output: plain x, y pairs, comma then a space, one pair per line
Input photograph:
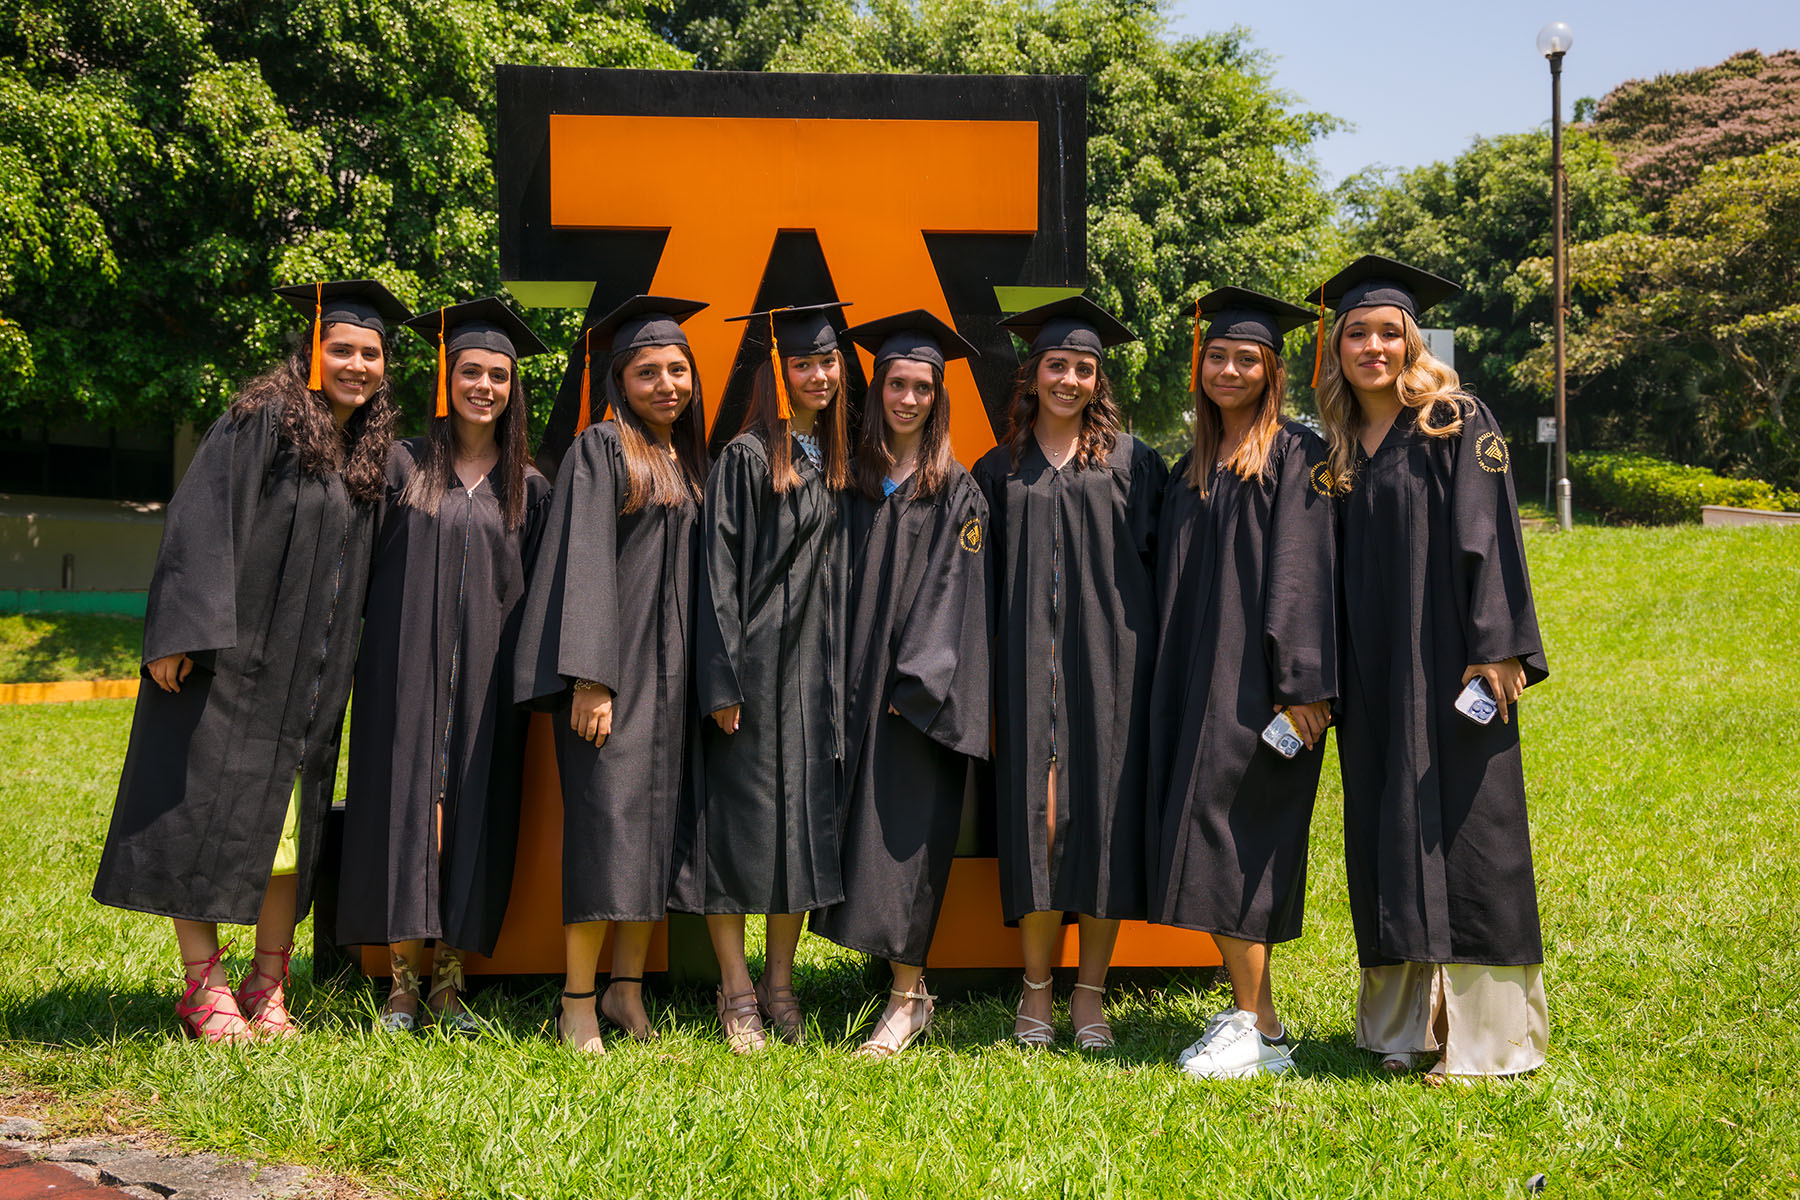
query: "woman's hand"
170, 671
590, 714
1309, 720
728, 718
1506, 680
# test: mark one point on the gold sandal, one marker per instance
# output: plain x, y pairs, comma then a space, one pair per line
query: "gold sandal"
740, 1022
405, 982
877, 1049
447, 976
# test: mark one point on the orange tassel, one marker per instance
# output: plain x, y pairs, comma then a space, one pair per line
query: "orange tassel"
1319, 342
443, 386
1194, 369
582, 413
784, 407
315, 379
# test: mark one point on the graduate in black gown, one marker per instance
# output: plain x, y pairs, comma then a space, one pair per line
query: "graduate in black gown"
1435, 594
606, 647
1072, 503
1246, 598
249, 636
918, 663
762, 833
437, 744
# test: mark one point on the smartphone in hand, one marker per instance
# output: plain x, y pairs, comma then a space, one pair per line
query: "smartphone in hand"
1476, 702
1282, 737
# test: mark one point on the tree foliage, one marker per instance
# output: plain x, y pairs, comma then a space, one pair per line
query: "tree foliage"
171, 160
1199, 170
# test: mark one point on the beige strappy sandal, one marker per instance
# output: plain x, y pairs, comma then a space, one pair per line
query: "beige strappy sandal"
884, 1043
1096, 1035
1036, 1034
781, 1008
740, 1021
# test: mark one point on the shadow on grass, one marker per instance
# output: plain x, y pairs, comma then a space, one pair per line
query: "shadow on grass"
47, 647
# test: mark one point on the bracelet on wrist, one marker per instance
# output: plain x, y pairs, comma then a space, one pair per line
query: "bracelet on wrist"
588, 685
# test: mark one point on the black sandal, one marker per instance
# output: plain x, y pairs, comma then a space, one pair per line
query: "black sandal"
596, 1046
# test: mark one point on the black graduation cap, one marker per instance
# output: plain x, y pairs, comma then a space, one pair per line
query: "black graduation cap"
1236, 312
640, 321
362, 302
803, 329
1072, 323
916, 335
484, 324
1374, 280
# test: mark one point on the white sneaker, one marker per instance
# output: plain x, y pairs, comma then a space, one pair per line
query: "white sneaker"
1206, 1035
1237, 1050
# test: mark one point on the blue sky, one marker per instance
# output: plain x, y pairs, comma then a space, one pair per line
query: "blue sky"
1419, 81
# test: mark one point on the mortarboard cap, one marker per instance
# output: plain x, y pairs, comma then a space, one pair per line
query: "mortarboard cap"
484, 324
1373, 280
1072, 323
362, 302
640, 321
915, 335
803, 329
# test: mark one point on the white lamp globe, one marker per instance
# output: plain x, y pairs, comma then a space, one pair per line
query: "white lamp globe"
1555, 38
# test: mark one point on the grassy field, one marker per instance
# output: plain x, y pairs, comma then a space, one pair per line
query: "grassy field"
46, 647
1664, 768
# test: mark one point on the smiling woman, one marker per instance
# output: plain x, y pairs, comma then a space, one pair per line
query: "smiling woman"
249, 633
436, 741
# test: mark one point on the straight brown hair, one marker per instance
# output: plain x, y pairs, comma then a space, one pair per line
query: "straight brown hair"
762, 415
1251, 459
654, 477
873, 458
437, 473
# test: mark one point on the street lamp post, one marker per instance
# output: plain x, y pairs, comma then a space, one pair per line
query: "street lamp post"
1553, 41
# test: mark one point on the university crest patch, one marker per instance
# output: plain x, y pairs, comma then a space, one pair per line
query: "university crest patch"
1490, 452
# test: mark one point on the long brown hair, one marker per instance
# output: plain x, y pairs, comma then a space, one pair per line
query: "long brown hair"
1251, 459
357, 452
763, 416
1100, 423
931, 470
437, 471
1427, 386
655, 478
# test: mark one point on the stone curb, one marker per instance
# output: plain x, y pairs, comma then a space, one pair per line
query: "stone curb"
145, 1175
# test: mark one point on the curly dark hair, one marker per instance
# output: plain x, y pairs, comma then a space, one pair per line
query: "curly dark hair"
1100, 421
358, 452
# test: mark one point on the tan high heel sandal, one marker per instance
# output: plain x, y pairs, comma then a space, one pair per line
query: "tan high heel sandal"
781, 1008
740, 1021
876, 1048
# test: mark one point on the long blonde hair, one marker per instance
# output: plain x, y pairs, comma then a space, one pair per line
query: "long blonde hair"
1427, 385
1251, 459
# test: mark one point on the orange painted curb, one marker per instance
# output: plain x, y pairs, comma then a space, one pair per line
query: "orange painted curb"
68, 689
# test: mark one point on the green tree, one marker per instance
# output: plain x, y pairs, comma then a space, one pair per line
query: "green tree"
1200, 171
1708, 304
1473, 220
171, 160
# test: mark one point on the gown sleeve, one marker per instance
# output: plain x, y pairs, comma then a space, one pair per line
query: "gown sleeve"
1499, 619
1143, 501
732, 515
192, 605
941, 656
571, 603
1299, 602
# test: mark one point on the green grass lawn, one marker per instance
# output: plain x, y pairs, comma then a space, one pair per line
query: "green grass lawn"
1664, 770
47, 647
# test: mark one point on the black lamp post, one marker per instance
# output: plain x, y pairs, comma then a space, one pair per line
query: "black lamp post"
1553, 41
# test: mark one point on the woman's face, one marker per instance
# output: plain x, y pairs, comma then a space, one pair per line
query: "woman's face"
480, 387
906, 397
813, 379
658, 384
1232, 375
1372, 348
1065, 382
351, 367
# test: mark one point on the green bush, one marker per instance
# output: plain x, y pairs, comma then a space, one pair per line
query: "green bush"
1637, 487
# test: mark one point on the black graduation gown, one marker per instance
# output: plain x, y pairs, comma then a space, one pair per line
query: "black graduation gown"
434, 720
917, 644
1248, 617
610, 601
1072, 603
761, 835
1433, 569
260, 579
